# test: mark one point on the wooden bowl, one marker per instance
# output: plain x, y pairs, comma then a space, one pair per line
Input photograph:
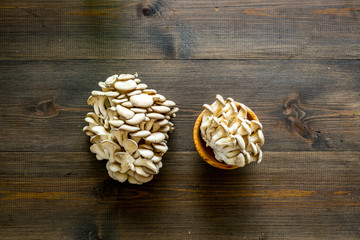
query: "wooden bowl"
206, 153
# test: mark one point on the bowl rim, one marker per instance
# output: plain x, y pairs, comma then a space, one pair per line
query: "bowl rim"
206, 153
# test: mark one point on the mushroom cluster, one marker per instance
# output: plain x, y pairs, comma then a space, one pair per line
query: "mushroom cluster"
234, 139
129, 127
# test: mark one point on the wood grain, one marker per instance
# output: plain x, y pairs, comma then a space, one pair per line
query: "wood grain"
303, 105
61, 195
295, 63
282, 29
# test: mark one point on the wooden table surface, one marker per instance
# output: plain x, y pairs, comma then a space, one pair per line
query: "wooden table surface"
294, 62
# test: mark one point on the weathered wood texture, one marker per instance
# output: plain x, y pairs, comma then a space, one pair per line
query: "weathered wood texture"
295, 63
304, 195
281, 29
303, 105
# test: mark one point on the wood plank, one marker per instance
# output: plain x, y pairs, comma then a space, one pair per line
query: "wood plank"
282, 29
303, 105
303, 195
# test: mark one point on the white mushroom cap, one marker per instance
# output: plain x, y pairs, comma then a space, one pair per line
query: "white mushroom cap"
100, 154
96, 139
145, 163
149, 91
127, 104
240, 141
98, 93
155, 115
159, 98
135, 92
165, 129
173, 111
155, 137
142, 100
123, 77
104, 87
142, 179
111, 80
141, 86
121, 96
146, 146
242, 111
112, 94
124, 112
92, 115
100, 130
125, 86
146, 153
119, 101
121, 177
156, 158
160, 109
141, 134
140, 171
260, 156
129, 128
162, 149
240, 160
218, 105
113, 166
116, 123
169, 103
208, 109
138, 110
91, 121
136, 119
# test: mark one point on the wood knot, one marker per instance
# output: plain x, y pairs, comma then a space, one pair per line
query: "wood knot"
46, 108
294, 119
147, 12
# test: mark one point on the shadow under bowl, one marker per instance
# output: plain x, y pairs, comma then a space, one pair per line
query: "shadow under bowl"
206, 153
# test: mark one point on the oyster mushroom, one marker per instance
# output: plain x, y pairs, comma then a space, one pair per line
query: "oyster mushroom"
160, 148
145, 163
110, 148
257, 137
124, 112
111, 80
155, 137
136, 119
141, 134
100, 153
130, 146
146, 153
129, 127
234, 139
125, 86
142, 100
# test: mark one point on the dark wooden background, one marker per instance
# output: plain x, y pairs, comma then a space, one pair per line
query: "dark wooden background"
294, 62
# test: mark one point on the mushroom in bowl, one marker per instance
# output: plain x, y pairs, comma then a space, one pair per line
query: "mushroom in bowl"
228, 135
